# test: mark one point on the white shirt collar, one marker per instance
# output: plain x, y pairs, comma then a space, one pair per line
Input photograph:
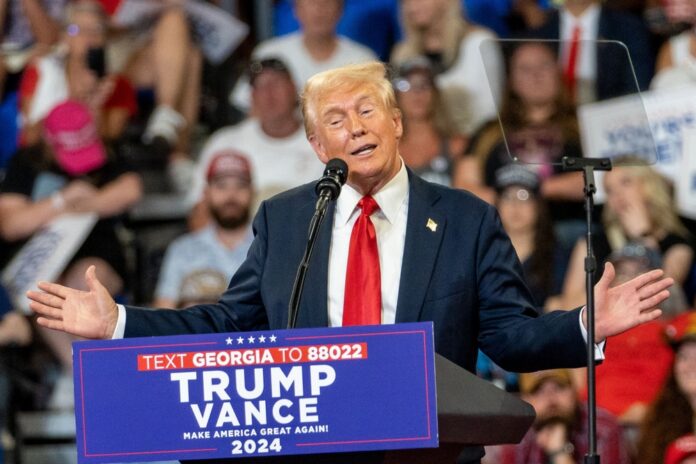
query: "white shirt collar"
588, 21
389, 198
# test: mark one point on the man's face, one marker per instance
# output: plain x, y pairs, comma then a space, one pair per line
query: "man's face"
552, 399
229, 201
318, 18
273, 96
355, 126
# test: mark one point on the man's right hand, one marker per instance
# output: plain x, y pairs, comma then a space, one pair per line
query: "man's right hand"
91, 314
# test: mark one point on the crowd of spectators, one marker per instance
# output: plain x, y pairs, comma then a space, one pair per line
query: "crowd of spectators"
97, 97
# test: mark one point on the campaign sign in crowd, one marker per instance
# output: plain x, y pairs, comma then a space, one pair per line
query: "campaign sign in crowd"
255, 393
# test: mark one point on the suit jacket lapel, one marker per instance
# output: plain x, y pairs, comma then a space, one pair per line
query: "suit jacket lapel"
424, 231
313, 306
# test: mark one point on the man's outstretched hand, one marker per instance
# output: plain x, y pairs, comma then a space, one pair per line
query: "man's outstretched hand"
627, 305
91, 314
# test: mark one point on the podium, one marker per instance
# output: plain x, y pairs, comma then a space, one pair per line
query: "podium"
471, 412
353, 395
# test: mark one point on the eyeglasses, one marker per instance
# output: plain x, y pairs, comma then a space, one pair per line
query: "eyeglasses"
415, 85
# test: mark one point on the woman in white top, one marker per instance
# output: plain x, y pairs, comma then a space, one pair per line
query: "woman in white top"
438, 30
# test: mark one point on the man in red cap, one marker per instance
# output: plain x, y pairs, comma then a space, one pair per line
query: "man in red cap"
198, 266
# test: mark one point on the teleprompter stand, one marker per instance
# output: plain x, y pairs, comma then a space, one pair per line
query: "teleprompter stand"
588, 166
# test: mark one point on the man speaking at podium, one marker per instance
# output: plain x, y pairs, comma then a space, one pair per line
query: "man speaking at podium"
396, 249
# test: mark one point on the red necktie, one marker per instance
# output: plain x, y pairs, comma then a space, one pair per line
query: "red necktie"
362, 302
572, 63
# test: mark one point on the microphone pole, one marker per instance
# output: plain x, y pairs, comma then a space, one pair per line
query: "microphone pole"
328, 188
588, 166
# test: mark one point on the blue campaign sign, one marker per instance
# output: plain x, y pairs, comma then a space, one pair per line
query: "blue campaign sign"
266, 393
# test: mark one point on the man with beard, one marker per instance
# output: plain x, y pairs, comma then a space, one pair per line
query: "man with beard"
559, 434
198, 265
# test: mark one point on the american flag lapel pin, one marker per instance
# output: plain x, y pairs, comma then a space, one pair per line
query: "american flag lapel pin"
432, 225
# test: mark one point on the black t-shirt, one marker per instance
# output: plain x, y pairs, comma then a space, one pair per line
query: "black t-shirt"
541, 150
29, 174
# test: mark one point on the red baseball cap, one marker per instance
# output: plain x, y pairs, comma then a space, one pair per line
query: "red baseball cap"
71, 132
681, 329
680, 449
229, 163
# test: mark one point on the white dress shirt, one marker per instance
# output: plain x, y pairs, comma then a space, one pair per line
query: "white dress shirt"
390, 225
586, 65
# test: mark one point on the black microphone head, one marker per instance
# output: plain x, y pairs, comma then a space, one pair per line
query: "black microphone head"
339, 167
335, 175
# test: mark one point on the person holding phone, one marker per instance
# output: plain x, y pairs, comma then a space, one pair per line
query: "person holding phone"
77, 71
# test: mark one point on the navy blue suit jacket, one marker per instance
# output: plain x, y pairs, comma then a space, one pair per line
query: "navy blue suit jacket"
464, 276
614, 76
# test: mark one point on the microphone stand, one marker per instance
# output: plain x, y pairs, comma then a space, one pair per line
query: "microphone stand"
298, 286
328, 188
588, 166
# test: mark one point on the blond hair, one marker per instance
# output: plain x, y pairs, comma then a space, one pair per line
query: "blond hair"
346, 78
657, 196
453, 31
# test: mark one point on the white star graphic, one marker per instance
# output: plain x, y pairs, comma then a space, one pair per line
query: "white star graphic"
262, 339
240, 340
251, 339
228, 340
272, 338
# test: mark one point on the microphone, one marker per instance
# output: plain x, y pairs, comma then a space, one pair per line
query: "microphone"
335, 175
328, 189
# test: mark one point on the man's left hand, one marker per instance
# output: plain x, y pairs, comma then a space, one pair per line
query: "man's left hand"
628, 305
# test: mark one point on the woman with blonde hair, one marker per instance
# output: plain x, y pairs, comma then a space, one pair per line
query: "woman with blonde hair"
438, 30
639, 209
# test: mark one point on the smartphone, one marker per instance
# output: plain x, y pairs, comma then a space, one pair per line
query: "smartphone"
96, 61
